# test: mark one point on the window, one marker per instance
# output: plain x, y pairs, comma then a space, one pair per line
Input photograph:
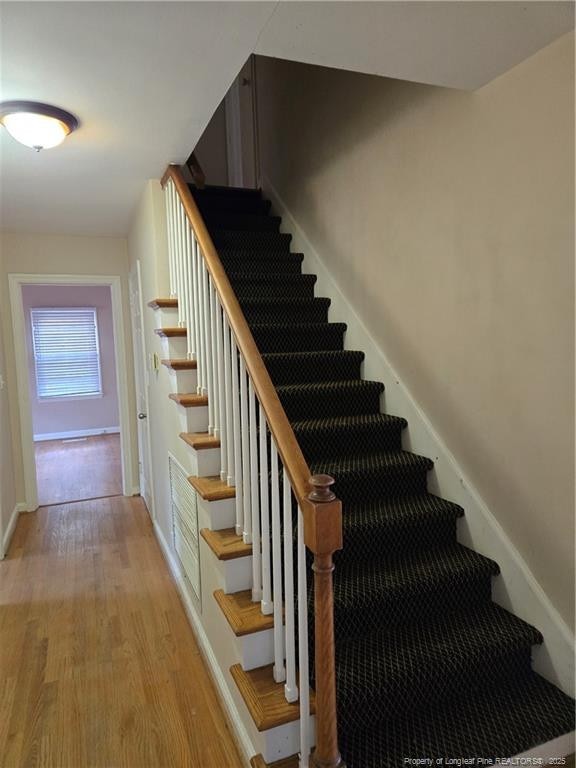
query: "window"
66, 352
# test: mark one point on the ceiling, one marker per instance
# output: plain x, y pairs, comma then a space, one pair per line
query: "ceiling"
145, 78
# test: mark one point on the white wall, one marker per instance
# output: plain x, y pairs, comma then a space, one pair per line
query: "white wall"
447, 220
61, 255
50, 417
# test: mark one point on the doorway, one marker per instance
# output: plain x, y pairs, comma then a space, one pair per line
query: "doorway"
73, 394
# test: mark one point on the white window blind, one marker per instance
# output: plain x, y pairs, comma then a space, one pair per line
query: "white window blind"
66, 352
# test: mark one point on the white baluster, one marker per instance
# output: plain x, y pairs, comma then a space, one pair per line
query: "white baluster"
214, 308
245, 446
303, 647
279, 669
202, 319
182, 308
290, 688
178, 212
190, 337
199, 362
169, 228
254, 500
229, 414
237, 438
267, 606
221, 392
208, 346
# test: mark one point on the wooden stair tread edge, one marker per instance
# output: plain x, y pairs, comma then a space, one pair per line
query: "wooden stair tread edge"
174, 332
200, 441
212, 488
243, 615
288, 762
189, 400
226, 544
265, 698
180, 365
163, 303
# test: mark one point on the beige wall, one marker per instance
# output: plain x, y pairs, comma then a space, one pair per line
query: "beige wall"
63, 255
447, 218
7, 486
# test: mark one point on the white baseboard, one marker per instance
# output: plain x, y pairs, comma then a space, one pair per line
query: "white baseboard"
242, 738
9, 532
76, 433
516, 589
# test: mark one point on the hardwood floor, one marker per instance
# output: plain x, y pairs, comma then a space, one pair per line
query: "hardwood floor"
80, 469
99, 667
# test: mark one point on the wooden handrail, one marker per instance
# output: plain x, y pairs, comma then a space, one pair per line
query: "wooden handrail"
321, 510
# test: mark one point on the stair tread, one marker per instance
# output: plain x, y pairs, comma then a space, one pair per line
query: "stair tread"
369, 463
234, 254
171, 332
423, 508
288, 762
360, 583
243, 615
160, 303
498, 721
226, 544
212, 488
189, 400
265, 698
425, 652
180, 364
332, 423
200, 441
326, 387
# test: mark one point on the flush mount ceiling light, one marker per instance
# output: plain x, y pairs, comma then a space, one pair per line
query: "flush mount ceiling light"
38, 126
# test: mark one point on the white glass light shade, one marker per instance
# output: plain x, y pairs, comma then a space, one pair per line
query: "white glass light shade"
36, 131
36, 125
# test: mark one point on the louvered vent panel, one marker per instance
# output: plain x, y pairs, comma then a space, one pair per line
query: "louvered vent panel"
185, 523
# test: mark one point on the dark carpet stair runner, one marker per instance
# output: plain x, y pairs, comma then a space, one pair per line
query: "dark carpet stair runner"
427, 665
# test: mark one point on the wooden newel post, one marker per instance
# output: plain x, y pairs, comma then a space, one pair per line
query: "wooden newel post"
326, 753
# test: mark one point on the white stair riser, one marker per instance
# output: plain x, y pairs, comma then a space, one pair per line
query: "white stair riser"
216, 515
174, 347
183, 381
193, 419
236, 574
167, 317
207, 461
256, 650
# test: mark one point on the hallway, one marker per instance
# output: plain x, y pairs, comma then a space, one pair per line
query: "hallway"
98, 664
79, 469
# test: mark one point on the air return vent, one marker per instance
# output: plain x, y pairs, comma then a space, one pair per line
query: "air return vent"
185, 523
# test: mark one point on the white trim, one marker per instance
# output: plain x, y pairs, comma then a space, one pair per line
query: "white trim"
10, 528
242, 738
76, 433
562, 746
517, 588
15, 283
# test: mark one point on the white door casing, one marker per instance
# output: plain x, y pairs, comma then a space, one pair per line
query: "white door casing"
141, 378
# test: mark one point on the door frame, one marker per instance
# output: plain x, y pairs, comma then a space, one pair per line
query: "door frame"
15, 283
142, 368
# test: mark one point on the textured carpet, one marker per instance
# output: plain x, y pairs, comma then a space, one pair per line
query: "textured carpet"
427, 666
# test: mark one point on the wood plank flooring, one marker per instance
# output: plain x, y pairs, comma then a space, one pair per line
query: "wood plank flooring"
99, 667
77, 470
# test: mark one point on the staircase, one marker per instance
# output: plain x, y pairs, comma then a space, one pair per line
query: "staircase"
426, 664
